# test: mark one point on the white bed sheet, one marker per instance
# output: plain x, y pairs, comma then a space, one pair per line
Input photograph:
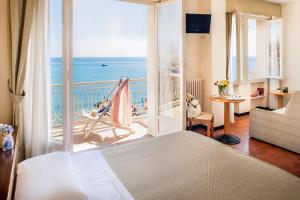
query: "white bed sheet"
97, 178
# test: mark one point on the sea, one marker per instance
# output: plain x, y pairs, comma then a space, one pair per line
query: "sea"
94, 70
100, 69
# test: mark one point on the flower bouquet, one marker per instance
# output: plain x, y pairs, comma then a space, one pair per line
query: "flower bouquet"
222, 85
6, 139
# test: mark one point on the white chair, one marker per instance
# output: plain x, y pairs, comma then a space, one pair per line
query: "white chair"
280, 127
206, 119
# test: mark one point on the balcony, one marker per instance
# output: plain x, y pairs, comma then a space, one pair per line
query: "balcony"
85, 98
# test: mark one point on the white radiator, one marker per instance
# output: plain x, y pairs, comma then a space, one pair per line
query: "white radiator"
194, 87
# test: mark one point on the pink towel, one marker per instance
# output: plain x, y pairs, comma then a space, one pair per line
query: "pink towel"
121, 106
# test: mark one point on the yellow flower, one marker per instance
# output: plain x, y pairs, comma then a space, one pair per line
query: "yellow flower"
222, 83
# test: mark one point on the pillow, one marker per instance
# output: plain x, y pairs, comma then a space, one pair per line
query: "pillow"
48, 177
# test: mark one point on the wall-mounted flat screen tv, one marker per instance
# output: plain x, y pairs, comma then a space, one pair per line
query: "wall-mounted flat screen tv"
198, 23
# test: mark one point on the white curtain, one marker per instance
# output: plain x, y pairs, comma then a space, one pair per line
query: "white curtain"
37, 119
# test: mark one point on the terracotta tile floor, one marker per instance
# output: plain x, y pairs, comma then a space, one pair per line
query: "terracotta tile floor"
274, 155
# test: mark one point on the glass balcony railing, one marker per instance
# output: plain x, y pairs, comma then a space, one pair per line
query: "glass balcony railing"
86, 95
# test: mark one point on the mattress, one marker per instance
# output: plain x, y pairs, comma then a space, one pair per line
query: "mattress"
187, 165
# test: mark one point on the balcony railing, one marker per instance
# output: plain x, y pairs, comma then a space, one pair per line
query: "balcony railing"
86, 95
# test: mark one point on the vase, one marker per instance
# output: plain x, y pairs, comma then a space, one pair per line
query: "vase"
285, 90
8, 143
222, 91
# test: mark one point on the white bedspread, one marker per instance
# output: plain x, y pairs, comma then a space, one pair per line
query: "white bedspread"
97, 178
189, 166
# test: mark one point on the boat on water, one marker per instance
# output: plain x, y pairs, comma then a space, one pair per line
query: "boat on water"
103, 65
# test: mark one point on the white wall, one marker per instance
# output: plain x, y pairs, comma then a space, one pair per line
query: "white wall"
206, 53
198, 52
218, 35
291, 15
5, 73
245, 91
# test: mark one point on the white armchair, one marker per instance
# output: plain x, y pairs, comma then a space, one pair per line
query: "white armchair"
280, 127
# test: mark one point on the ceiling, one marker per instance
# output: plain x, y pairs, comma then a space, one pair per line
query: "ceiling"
155, 1
280, 1
144, 1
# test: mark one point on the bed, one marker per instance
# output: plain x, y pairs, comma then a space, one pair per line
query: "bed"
182, 165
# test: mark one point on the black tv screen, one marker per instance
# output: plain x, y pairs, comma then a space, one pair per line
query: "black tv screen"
198, 23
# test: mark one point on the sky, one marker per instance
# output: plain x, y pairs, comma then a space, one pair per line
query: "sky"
102, 28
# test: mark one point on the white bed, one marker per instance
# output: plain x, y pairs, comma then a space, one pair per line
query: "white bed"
182, 165
97, 178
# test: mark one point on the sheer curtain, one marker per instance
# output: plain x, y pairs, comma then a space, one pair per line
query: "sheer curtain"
37, 119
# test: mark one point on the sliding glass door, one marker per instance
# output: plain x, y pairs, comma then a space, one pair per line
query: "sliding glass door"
95, 44
95, 50
170, 71
109, 44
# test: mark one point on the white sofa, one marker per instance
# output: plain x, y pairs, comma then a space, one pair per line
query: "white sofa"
280, 127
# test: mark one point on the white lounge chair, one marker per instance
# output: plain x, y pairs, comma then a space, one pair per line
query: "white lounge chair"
104, 109
280, 127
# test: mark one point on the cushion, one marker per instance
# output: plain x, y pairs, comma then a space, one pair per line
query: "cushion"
205, 116
48, 177
293, 108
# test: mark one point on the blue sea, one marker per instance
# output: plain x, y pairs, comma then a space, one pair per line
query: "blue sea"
95, 70
101, 69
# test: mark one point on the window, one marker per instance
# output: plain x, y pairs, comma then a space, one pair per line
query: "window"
275, 49
260, 48
254, 37
252, 45
233, 75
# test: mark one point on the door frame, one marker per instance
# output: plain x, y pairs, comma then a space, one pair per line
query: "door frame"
153, 125
67, 60
67, 57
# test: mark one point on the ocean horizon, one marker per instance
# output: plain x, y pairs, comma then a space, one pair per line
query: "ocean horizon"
95, 69
92, 69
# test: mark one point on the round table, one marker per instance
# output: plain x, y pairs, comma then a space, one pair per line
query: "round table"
227, 138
